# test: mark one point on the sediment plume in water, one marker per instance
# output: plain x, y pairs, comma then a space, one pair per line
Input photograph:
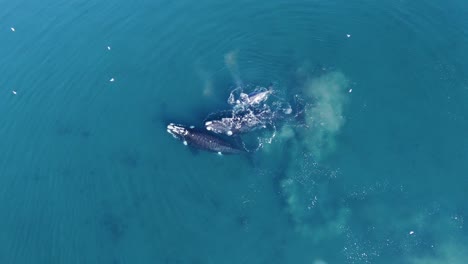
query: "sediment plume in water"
323, 112
321, 208
306, 185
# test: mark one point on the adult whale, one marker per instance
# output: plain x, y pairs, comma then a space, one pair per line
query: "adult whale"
240, 123
204, 140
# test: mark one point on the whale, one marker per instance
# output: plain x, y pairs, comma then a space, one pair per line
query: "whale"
238, 124
248, 100
204, 140
259, 96
241, 121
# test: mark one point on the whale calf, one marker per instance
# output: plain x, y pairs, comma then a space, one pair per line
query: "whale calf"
259, 96
202, 139
245, 100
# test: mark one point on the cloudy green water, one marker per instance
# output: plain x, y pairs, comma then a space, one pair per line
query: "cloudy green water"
88, 173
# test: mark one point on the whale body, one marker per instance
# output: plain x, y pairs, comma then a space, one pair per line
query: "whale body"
202, 139
239, 124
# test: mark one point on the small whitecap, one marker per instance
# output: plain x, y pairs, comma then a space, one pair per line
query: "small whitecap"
185, 143
12, 29
350, 90
229, 133
108, 48
14, 92
111, 80
411, 232
348, 35
192, 127
219, 153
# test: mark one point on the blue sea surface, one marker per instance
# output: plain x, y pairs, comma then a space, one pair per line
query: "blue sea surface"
375, 171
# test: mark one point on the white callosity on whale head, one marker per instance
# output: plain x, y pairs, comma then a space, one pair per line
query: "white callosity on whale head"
176, 130
208, 125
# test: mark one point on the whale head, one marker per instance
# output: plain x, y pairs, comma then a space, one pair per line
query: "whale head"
177, 131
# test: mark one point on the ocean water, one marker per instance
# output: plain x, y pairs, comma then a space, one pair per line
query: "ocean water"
375, 172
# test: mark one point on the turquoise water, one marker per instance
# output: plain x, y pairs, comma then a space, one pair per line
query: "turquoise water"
376, 173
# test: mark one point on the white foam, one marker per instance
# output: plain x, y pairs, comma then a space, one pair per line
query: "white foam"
185, 143
108, 48
219, 153
12, 29
14, 92
111, 80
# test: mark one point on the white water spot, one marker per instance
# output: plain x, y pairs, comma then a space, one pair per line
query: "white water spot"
229, 133
312, 203
411, 232
14, 92
348, 35
111, 80
350, 90
185, 143
219, 153
192, 127
12, 29
108, 48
